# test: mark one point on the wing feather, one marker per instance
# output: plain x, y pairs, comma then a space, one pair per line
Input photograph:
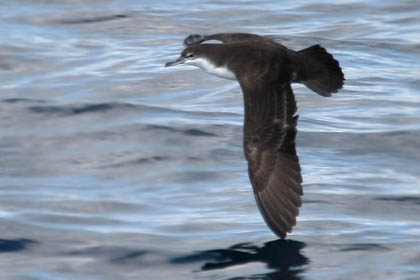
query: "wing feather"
225, 38
269, 144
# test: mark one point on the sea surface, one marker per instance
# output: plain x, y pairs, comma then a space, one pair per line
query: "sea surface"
113, 167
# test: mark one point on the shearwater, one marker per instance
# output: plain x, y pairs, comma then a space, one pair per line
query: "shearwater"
265, 70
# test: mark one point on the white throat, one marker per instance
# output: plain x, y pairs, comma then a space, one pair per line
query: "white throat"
209, 67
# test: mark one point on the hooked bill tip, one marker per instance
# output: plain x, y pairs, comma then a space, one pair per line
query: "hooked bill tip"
179, 60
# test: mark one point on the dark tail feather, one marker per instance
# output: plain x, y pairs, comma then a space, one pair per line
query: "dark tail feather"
318, 70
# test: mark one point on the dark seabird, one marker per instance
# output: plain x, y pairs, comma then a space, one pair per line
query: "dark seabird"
265, 70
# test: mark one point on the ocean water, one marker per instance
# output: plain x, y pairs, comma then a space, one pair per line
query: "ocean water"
113, 167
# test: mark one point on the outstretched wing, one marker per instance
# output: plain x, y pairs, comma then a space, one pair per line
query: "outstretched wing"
269, 144
223, 37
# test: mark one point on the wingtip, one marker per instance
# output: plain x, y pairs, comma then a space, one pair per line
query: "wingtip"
194, 39
282, 234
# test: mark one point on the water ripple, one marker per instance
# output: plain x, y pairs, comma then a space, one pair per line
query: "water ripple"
114, 166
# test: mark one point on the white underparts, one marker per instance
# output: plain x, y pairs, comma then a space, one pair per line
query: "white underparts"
206, 65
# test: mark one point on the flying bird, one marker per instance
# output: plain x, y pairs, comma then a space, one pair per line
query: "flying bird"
265, 70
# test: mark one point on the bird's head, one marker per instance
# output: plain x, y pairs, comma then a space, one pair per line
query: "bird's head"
208, 57
190, 55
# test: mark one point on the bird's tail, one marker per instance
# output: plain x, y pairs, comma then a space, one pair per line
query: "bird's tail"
318, 70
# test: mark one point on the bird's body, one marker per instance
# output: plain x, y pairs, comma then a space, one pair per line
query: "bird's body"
265, 71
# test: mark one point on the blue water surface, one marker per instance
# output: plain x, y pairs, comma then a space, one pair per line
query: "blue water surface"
113, 167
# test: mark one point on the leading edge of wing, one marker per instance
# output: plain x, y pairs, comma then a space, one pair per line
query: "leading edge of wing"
194, 39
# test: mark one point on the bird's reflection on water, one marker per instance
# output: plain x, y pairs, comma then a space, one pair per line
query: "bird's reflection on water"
282, 256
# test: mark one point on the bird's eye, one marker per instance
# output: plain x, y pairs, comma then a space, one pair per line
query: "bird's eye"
190, 55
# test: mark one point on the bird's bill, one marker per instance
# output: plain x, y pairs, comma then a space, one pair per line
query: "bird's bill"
179, 60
